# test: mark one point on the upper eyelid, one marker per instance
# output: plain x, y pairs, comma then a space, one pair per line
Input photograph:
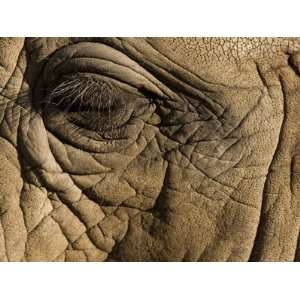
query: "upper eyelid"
105, 60
85, 84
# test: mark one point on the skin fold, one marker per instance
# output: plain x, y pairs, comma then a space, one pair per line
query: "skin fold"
149, 149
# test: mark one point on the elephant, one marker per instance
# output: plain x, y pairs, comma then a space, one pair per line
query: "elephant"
149, 149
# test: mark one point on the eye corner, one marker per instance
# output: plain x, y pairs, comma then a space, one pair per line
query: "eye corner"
151, 95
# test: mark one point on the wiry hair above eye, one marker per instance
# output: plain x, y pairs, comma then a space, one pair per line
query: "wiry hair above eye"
83, 93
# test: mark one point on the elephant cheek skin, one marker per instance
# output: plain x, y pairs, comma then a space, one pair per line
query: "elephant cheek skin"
13, 232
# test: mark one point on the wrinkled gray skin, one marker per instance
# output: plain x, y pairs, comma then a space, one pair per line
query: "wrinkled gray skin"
204, 167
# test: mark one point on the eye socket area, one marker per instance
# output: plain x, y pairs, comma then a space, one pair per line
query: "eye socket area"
93, 114
89, 103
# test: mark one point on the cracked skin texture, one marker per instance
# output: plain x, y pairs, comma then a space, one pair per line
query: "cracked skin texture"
199, 162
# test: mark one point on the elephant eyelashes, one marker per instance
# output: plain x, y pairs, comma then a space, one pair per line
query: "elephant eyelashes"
88, 103
82, 93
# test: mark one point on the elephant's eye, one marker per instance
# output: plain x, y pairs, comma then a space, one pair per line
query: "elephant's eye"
89, 104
